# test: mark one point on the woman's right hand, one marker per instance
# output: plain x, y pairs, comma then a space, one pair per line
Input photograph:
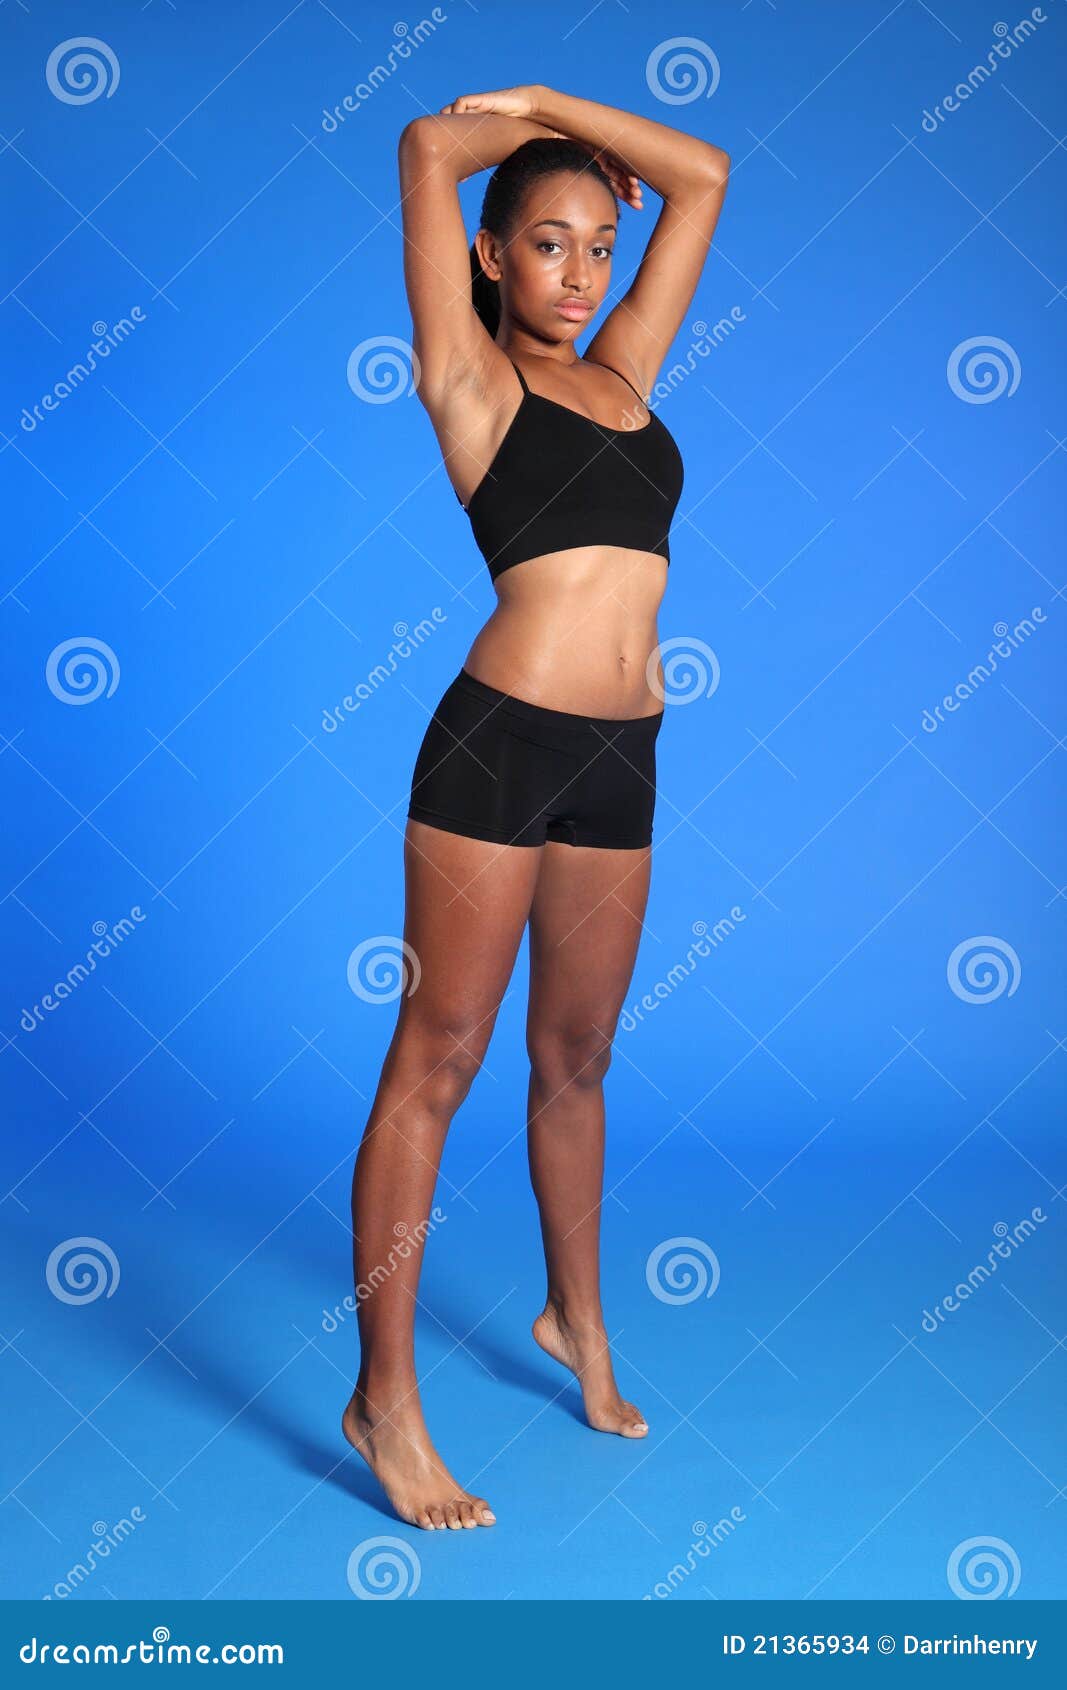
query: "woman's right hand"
625, 185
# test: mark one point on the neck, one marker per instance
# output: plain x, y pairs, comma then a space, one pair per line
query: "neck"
517, 344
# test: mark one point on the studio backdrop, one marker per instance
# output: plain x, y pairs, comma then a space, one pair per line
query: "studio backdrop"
237, 580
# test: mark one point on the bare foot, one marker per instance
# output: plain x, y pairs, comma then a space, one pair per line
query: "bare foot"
398, 1451
583, 1347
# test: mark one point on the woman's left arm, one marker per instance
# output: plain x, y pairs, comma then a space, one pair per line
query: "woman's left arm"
689, 174
678, 166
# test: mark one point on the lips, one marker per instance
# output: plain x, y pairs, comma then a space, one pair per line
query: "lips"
574, 309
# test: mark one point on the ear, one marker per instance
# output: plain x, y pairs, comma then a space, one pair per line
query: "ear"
487, 248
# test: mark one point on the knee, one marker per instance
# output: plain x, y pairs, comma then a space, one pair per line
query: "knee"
440, 1061
563, 1056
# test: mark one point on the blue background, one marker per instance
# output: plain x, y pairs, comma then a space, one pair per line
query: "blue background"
813, 1102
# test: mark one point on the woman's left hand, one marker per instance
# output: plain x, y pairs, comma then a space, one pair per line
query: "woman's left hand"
523, 102
505, 102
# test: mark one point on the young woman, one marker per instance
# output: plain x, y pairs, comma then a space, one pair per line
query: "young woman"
533, 791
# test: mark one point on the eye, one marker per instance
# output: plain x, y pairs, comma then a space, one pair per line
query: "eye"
605, 251
541, 245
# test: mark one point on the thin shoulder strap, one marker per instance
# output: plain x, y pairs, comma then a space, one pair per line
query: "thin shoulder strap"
518, 372
616, 372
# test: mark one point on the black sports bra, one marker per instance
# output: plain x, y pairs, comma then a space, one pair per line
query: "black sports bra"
560, 480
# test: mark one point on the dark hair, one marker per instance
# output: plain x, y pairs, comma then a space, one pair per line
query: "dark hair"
504, 195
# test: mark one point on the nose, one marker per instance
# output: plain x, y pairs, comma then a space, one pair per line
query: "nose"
578, 274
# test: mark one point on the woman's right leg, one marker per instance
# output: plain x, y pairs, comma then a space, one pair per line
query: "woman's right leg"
466, 905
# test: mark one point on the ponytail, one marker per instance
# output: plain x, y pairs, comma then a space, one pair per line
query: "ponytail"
485, 295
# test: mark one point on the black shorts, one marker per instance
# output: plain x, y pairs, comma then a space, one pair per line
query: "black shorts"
500, 768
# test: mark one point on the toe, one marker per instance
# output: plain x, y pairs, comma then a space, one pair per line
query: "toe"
437, 1518
452, 1516
422, 1518
483, 1511
466, 1514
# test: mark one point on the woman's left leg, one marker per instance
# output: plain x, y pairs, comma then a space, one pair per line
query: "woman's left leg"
585, 924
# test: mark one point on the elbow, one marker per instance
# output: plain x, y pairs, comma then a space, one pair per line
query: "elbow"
717, 165
704, 182
420, 136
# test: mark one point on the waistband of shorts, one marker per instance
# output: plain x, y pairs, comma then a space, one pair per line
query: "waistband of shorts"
526, 711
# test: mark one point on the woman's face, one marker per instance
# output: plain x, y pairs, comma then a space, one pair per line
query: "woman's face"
559, 258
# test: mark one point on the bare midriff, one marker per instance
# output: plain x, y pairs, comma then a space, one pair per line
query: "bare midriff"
576, 631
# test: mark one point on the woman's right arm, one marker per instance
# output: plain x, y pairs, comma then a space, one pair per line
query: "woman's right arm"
435, 155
